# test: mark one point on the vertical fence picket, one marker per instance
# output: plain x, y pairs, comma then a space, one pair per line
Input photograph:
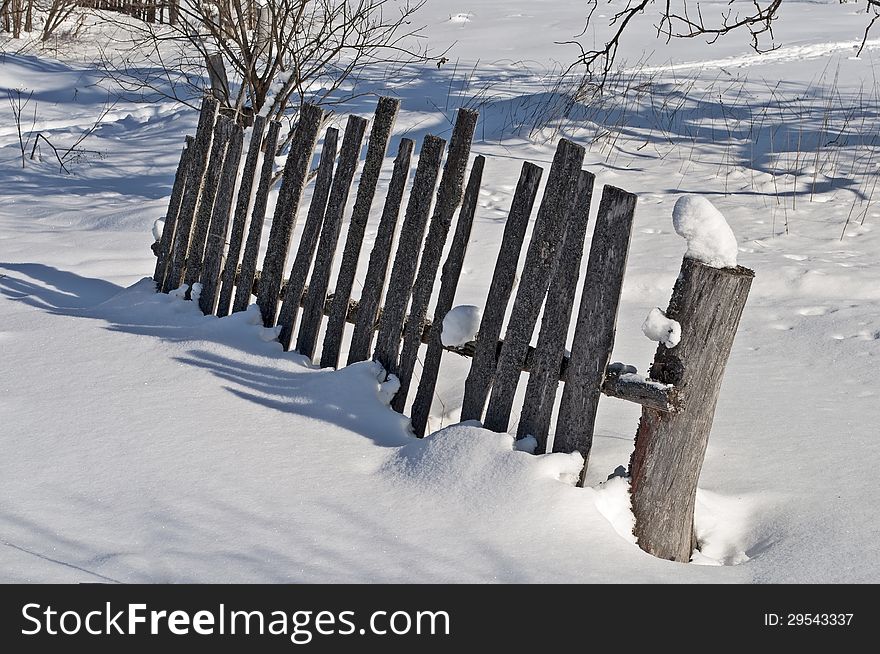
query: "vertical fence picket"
216, 240
421, 407
296, 171
380, 133
302, 262
194, 260
448, 199
242, 205
313, 309
195, 177
380, 256
482, 371
166, 241
406, 260
543, 383
540, 259
245, 284
595, 327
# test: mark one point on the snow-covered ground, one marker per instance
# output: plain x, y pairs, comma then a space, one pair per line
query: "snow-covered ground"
142, 441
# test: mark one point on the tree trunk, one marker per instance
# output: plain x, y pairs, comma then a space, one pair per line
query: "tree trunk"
670, 447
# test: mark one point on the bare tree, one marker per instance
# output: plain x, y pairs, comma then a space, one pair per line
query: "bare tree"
685, 19
265, 56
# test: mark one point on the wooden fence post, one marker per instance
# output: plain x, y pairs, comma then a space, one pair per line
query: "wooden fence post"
242, 205
543, 381
195, 178
195, 258
166, 241
216, 240
302, 262
421, 407
448, 198
245, 285
541, 258
380, 133
313, 310
296, 171
406, 260
380, 255
669, 448
595, 329
482, 371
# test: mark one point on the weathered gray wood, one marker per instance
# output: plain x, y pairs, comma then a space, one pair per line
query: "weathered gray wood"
307, 338
449, 277
194, 260
406, 261
485, 357
383, 122
448, 198
296, 171
248, 271
166, 241
380, 256
242, 206
302, 262
200, 152
543, 383
670, 448
216, 240
596, 323
541, 257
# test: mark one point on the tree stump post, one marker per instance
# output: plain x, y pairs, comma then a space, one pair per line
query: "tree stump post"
670, 447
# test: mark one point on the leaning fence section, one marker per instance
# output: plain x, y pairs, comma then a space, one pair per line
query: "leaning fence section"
209, 251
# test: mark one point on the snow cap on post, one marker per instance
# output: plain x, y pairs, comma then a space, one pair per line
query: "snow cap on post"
710, 239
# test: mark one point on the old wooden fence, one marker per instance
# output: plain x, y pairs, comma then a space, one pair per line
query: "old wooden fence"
211, 241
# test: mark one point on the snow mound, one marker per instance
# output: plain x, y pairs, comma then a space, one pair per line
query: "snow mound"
659, 328
461, 325
158, 227
709, 237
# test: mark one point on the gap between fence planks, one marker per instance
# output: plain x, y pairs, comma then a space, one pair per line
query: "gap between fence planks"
242, 206
380, 256
349, 154
448, 198
383, 122
540, 260
245, 280
293, 183
302, 262
449, 277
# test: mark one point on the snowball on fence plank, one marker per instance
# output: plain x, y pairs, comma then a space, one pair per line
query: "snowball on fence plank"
460, 325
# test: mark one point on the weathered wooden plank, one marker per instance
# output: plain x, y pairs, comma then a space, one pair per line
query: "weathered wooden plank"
543, 383
596, 321
302, 262
406, 261
194, 260
166, 240
242, 206
482, 371
448, 198
541, 257
487, 346
296, 171
380, 256
201, 150
380, 133
248, 270
216, 240
449, 277
307, 338
669, 448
